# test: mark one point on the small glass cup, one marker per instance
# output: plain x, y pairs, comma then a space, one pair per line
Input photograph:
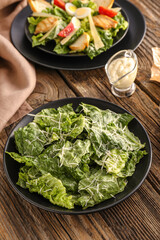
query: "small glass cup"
121, 70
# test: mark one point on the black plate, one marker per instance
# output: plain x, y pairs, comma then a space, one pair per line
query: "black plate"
12, 167
48, 48
132, 40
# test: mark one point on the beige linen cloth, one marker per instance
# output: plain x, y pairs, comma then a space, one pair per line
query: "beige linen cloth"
155, 70
17, 75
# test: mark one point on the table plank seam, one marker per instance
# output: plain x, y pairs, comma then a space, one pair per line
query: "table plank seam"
75, 91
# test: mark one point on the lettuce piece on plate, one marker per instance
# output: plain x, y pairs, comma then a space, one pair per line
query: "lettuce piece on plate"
58, 118
48, 162
130, 165
121, 26
71, 154
31, 139
46, 185
108, 130
106, 38
91, 4
63, 122
113, 137
114, 160
61, 49
29, 161
120, 162
99, 117
59, 12
98, 187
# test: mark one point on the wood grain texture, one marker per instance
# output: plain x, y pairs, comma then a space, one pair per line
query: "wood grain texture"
136, 218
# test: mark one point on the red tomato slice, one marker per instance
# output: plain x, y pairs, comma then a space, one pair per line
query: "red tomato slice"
106, 11
59, 3
67, 30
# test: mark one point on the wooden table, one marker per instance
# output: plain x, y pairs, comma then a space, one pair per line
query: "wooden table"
138, 217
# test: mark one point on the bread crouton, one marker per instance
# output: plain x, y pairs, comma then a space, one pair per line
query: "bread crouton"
104, 3
81, 43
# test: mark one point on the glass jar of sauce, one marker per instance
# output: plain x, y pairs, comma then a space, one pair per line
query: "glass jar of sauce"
121, 70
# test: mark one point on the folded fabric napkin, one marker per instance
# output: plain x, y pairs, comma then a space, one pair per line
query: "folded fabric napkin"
17, 75
155, 70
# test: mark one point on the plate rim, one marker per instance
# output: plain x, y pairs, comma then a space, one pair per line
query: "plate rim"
88, 210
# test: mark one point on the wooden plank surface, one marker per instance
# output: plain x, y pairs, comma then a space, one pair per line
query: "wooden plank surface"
138, 217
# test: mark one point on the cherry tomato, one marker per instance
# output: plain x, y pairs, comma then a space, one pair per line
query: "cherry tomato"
59, 3
67, 30
106, 11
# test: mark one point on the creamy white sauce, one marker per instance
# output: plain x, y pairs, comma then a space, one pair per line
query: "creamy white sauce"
118, 68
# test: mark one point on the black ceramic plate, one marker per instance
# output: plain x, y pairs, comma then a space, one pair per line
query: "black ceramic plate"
48, 48
132, 40
12, 167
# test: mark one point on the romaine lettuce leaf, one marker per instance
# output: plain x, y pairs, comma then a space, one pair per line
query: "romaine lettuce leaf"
91, 4
62, 122
61, 13
50, 117
98, 187
31, 139
29, 161
76, 127
61, 49
114, 160
46, 185
48, 162
70, 155
53, 118
36, 40
98, 117
108, 130
130, 165
113, 137
107, 39
27, 173
122, 24
85, 24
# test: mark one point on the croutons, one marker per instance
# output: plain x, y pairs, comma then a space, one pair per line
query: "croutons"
104, 21
81, 43
104, 3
